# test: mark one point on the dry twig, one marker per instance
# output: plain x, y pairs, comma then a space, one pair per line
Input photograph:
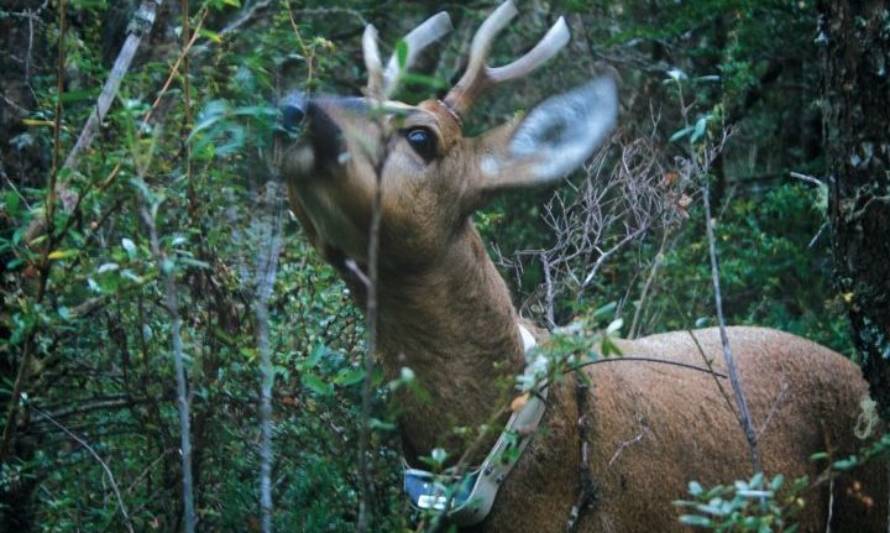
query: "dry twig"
734, 378
618, 204
85, 444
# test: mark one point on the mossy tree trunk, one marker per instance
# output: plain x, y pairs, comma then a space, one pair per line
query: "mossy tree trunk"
855, 37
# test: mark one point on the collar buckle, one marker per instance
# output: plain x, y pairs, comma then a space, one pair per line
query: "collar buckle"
473, 495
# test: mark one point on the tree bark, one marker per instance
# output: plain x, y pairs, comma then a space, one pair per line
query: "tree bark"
855, 39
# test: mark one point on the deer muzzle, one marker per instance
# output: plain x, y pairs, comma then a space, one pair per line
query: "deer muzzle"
317, 143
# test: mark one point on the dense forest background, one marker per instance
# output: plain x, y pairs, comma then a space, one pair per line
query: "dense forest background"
152, 243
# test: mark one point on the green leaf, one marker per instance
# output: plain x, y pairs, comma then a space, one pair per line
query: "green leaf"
757, 480
194, 262
13, 204
257, 111
315, 357
700, 128
696, 521
606, 311
846, 464
61, 254
129, 247
376, 423
349, 376
213, 112
608, 347
210, 35
316, 384
681, 133
107, 267
402, 53
235, 136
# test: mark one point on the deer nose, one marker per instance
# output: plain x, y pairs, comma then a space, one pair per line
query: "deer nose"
293, 110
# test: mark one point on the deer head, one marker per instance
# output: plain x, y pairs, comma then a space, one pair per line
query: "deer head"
432, 177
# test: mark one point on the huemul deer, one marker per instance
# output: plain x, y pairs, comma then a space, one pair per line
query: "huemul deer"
446, 313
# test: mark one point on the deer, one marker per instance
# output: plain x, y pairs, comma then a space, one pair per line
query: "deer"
446, 313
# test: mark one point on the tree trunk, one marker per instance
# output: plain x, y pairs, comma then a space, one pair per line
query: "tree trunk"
855, 38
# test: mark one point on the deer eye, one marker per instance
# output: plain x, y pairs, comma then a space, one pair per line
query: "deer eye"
423, 141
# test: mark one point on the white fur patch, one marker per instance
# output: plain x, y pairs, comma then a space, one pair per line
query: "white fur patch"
563, 131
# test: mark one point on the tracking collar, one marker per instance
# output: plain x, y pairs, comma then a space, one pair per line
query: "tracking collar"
472, 494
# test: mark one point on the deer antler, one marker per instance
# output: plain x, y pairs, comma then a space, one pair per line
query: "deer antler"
382, 83
479, 76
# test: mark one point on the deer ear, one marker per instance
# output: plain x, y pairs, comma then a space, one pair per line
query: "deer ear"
554, 139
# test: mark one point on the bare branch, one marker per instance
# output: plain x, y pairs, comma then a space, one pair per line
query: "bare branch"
364, 519
774, 408
807, 178
620, 203
247, 14
548, 285
740, 397
182, 401
650, 279
141, 26
117, 492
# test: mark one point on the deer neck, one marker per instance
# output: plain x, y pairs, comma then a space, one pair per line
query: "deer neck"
453, 324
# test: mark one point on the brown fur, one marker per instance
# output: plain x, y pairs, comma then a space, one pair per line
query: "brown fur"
446, 313
656, 427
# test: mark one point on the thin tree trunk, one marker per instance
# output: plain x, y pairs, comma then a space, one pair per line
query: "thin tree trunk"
171, 302
266, 268
856, 94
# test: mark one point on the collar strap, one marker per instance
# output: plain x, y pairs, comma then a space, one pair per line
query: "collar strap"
475, 492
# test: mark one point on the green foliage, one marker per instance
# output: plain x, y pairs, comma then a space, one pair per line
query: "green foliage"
767, 269
878, 449
759, 505
765, 505
101, 336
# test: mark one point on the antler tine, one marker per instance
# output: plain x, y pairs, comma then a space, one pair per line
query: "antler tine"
372, 62
481, 45
432, 29
480, 76
381, 84
554, 41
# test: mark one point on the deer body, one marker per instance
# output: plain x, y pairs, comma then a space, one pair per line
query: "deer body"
654, 428
446, 313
